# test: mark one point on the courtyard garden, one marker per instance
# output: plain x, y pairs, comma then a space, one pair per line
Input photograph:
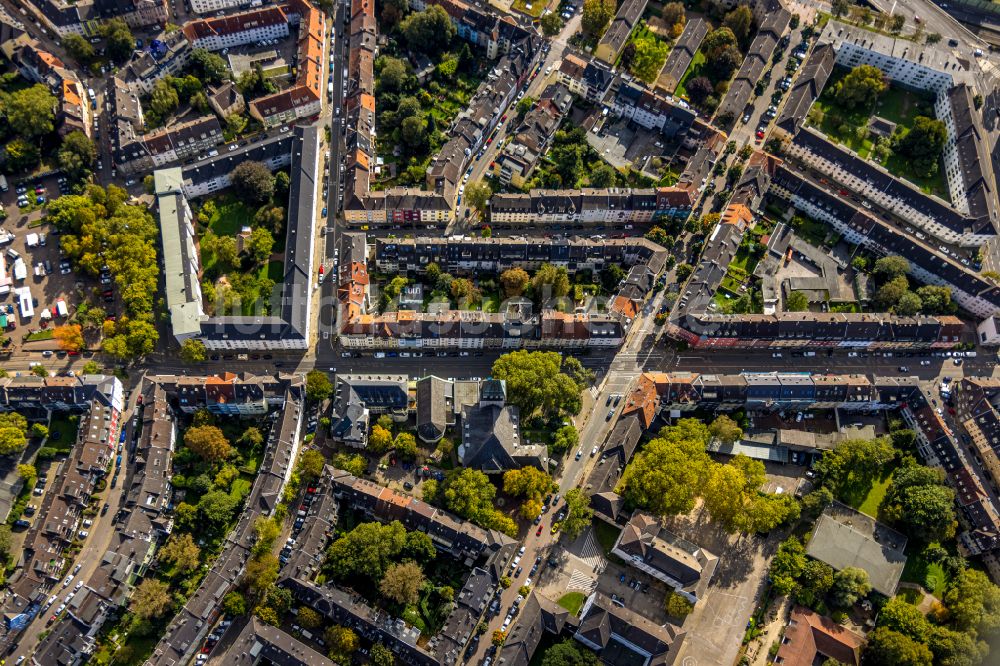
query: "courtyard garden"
845, 113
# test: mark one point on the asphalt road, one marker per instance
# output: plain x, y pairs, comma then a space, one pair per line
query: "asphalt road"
95, 546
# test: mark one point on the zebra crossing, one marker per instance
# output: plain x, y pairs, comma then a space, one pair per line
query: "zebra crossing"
581, 581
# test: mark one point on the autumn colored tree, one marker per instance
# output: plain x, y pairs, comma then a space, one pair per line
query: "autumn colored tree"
69, 337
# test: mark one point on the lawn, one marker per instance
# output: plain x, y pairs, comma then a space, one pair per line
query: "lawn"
930, 575
898, 105
693, 70
812, 231
534, 10
230, 216
874, 497
273, 270
39, 335
572, 601
606, 535
62, 433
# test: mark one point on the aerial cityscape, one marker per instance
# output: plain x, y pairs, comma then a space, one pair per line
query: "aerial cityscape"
500, 332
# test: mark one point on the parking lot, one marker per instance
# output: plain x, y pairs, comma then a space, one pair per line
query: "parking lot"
31, 259
625, 144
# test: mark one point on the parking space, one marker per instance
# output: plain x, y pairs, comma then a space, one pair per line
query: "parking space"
38, 286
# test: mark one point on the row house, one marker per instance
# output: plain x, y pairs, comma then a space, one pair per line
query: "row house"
531, 140
194, 138
617, 33
971, 291
212, 6
84, 17
459, 538
634, 102
493, 33
304, 98
590, 206
228, 31
880, 188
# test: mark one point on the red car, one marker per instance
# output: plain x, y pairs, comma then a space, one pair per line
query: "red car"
538, 532
760, 134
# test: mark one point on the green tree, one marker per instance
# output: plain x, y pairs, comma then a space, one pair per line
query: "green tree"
318, 386
677, 605
526, 482
151, 599
514, 281
406, 446
120, 42
935, 300
565, 439
900, 615
234, 604
413, 130
956, 648
212, 67
13, 427
889, 647
550, 280
380, 440
849, 585
382, 656
216, 507
740, 21
429, 31
419, 547
310, 465
31, 112
797, 301
163, 100
252, 181
725, 429
861, 87
597, 14
816, 580
668, 473
477, 195
855, 462
922, 145
209, 442
892, 292
369, 549
79, 49
973, 602
181, 551
309, 618
568, 653
27, 472
552, 24
402, 582
649, 58
890, 267
603, 175
918, 500
534, 382
787, 565
355, 464
394, 74
579, 515
908, 305
193, 351
21, 155
260, 245
76, 155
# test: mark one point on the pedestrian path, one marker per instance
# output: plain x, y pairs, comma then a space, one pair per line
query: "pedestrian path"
581, 581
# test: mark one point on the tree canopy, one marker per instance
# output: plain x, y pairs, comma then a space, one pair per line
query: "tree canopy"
209, 442
920, 502
596, 16
429, 31
535, 382
922, 145
861, 87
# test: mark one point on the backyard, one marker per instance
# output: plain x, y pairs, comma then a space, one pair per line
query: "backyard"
850, 128
532, 9
693, 70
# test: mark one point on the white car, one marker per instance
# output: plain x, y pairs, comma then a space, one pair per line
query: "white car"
69, 579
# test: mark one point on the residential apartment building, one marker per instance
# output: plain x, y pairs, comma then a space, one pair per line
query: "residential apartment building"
83, 17
772, 26
589, 206
682, 54
164, 57
290, 325
193, 138
228, 31
584, 77
209, 6
305, 98
646, 545
644, 107
614, 38
517, 162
